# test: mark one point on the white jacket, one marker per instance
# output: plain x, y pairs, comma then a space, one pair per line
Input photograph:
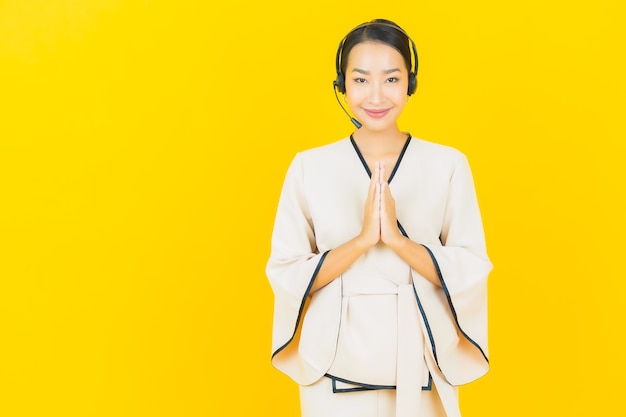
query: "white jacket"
380, 324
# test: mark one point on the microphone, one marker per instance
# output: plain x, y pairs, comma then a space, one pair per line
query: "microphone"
352, 119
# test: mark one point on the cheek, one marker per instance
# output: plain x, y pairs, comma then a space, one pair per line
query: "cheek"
399, 95
354, 94
400, 90
354, 98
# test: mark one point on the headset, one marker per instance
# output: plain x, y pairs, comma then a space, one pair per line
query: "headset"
340, 81
339, 84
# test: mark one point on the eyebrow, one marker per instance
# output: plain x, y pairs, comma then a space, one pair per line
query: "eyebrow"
362, 71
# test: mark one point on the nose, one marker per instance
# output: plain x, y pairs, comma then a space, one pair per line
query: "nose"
377, 94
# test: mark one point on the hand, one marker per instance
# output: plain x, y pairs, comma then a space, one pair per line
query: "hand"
389, 232
370, 232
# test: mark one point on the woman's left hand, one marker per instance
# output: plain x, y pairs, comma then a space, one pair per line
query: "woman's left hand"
389, 231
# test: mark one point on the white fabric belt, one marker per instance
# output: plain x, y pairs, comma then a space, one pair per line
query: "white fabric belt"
415, 363
410, 367
411, 370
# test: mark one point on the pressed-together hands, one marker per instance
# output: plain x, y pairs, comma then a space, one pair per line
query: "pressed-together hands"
379, 225
379, 220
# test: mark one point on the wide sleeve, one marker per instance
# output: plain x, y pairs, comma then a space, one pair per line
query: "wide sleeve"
291, 269
455, 315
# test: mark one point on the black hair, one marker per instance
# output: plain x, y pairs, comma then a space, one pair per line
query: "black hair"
377, 30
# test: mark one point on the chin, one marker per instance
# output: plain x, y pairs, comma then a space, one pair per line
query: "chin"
379, 127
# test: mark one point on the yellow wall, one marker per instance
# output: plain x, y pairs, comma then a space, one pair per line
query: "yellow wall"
142, 150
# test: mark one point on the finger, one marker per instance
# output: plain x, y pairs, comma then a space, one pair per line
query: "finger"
389, 203
376, 172
378, 195
384, 215
372, 186
383, 196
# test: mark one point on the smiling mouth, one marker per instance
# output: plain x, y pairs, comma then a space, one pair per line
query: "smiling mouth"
376, 114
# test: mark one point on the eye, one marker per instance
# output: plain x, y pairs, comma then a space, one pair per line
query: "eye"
392, 80
359, 80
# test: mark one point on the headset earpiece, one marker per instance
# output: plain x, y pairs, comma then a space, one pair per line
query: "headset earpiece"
340, 83
412, 83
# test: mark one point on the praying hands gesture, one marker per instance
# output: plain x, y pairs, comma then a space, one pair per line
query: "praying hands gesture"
379, 225
379, 222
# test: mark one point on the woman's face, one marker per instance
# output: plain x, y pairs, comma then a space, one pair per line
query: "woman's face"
376, 85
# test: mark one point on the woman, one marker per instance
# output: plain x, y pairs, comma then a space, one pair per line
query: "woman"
378, 262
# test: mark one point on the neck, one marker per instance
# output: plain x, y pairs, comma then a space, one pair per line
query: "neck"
379, 142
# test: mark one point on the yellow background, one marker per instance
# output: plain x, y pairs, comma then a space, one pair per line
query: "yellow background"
143, 146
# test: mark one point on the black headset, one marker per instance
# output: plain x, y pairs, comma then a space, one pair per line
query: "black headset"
340, 82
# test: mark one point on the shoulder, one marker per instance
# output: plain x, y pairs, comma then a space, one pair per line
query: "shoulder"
320, 158
324, 151
325, 155
439, 151
439, 160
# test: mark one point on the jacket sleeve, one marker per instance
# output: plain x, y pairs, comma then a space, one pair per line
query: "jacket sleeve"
291, 269
455, 315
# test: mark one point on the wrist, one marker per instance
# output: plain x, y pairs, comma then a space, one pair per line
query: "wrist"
396, 242
362, 243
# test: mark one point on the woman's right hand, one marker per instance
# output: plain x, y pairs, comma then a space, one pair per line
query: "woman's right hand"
343, 256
